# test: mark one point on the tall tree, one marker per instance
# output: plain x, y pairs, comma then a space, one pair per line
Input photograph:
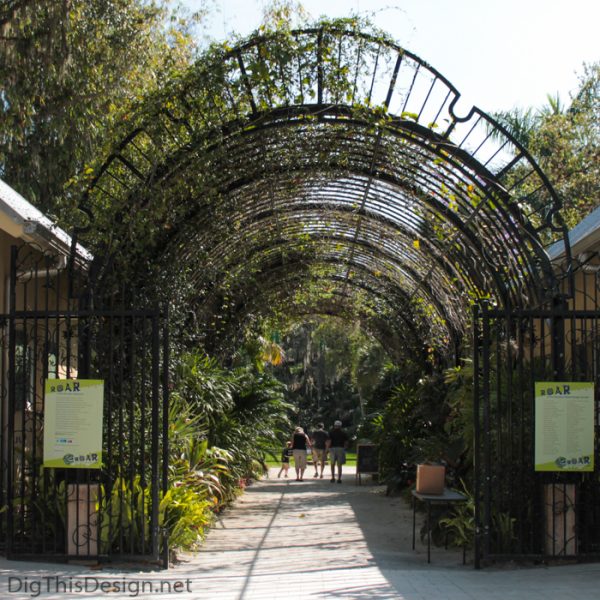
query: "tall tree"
69, 72
566, 143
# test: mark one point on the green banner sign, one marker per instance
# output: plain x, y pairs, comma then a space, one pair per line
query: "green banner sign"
564, 426
73, 423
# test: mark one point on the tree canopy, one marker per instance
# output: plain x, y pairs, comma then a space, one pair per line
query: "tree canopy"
566, 142
70, 70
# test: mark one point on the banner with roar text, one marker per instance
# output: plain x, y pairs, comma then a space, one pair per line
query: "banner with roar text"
73, 423
564, 426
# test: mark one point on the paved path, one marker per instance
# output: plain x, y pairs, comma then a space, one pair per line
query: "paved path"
303, 541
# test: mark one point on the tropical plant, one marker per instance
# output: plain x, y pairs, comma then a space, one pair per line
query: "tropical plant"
241, 411
185, 516
459, 525
192, 463
257, 422
206, 388
123, 509
459, 424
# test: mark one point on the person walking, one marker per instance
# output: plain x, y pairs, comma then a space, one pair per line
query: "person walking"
336, 446
318, 440
285, 459
300, 444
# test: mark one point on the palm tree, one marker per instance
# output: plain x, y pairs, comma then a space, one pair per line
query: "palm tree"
521, 123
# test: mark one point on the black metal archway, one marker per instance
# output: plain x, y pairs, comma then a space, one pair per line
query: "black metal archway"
329, 146
325, 170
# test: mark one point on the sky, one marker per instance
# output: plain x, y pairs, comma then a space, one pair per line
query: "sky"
499, 54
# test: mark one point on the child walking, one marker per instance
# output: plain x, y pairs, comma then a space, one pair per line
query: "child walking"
285, 459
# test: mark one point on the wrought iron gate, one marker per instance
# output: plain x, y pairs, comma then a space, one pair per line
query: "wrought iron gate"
81, 513
520, 512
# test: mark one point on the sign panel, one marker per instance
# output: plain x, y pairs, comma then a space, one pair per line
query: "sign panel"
73, 423
367, 458
564, 426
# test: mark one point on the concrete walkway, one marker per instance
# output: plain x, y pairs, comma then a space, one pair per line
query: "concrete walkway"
286, 540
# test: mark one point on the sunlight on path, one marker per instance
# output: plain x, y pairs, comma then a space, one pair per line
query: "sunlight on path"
286, 539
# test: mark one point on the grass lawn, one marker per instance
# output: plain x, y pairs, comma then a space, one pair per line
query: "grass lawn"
274, 462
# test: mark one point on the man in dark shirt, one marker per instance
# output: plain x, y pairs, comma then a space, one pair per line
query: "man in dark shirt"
319, 439
336, 445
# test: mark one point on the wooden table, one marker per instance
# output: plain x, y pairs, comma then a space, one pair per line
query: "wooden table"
446, 497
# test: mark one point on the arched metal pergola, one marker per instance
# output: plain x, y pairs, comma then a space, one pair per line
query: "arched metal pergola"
322, 171
332, 163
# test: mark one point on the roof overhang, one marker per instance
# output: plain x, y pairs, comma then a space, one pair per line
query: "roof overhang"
23, 221
584, 239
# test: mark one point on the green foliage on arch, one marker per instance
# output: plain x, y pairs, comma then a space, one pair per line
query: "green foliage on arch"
213, 186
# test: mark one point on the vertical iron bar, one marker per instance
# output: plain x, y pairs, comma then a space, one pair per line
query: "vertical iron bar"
337, 98
427, 98
3, 423
476, 440
595, 373
44, 482
577, 373
390, 91
23, 406
110, 463
89, 512
486, 428
510, 439
59, 544
121, 477
356, 71
131, 432
539, 499
553, 519
543, 351
12, 349
247, 85
497, 465
558, 372
165, 424
78, 476
410, 89
437, 116
566, 508
155, 438
375, 67
68, 339
587, 338
34, 483
558, 339
76, 485
301, 84
143, 426
320, 67
521, 419
532, 488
